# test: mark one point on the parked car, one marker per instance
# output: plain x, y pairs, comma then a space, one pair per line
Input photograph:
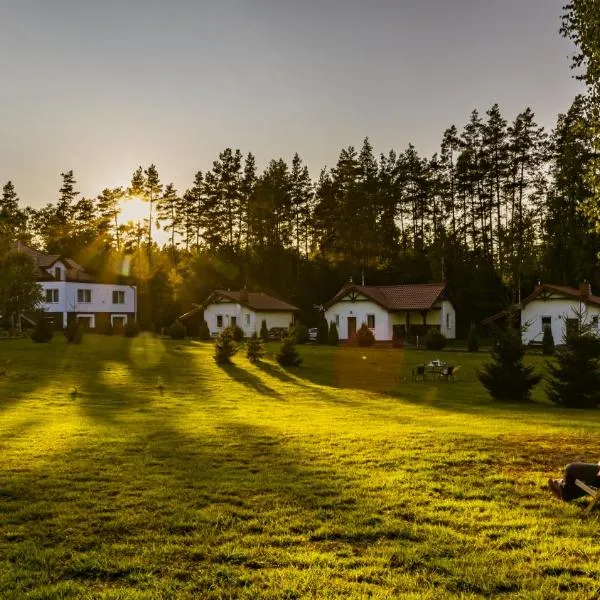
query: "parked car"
313, 334
277, 333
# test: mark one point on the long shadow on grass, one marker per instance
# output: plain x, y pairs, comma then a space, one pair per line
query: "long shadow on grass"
249, 380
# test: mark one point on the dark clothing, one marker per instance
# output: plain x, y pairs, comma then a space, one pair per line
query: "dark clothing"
586, 472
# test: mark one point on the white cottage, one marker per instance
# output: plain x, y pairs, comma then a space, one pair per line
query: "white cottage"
70, 293
247, 310
389, 311
557, 307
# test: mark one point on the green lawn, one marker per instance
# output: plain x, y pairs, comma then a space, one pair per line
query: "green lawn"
341, 479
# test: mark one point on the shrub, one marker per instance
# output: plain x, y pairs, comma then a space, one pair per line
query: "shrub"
43, 332
364, 336
131, 329
225, 347
322, 331
177, 330
334, 338
264, 332
473, 341
74, 332
574, 380
434, 339
254, 348
548, 342
204, 332
299, 332
506, 378
237, 333
288, 356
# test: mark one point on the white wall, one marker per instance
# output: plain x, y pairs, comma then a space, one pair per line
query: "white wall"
447, 320
360, 309
240, 312
558, 309
101, 300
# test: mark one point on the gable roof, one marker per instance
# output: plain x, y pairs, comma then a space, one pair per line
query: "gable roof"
416, 296
75, 272
257, 301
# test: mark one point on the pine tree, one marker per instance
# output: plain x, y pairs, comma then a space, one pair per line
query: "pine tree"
254, 348
288, 356
204, 332
547, 342
12, 219
506, 378
168, 211
152, 190
225, 347
264, 332
334, 338
322, 331
108, 205
574, 380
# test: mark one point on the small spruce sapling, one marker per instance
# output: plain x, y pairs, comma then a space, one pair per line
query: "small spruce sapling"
334, 338
364, 336
288, 356
177, 330
74, 332
225, 347
322, 331
264, 332
548, 342
254, 348
204, 332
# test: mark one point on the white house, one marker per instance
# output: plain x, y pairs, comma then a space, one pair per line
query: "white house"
554, 306
70, 292
389, 311
247, 310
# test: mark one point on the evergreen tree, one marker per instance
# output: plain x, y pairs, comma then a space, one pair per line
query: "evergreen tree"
43, 332
12, 219
322, 331
152, 191
506, 378
300, 199
108, 206
334, 338
168, 211
547, 342
574, 380
473, 341
254, 348
204, 332
225, 347
288, 356
264, 332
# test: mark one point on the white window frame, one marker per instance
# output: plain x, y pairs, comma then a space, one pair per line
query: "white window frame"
90, 316
247, 318
112, 319
83, 294
233, 321
119, 293
542, 321
58, 271
447, 320
373, 317
337, 320
55, 296
217, 321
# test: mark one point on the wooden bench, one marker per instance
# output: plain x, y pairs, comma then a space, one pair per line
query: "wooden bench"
591, 491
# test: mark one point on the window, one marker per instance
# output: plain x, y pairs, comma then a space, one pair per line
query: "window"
337, 320
447, 320
247, 319
371, 321
233, 321
219, 320
118, 320
57, 273
546, 322
118, 297
52, 296
84, 296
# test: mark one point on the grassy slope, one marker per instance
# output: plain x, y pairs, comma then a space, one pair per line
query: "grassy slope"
254, 482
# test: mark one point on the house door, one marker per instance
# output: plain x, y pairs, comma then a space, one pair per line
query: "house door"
351, 327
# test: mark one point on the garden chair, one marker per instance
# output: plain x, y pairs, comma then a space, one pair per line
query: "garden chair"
591, 491
418, 371
448, 373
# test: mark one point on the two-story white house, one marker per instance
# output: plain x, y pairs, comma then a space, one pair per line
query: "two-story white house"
70, 292
392, 311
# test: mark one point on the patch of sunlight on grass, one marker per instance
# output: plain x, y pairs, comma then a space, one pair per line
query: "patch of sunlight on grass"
146, 351
115, 373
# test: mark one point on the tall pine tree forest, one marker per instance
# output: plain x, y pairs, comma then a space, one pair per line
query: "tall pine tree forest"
498, 208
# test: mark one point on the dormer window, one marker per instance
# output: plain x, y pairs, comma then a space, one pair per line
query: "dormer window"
57, 273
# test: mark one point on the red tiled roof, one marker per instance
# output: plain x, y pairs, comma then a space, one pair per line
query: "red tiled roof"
418, 296
258, 301
561, 289
75, 272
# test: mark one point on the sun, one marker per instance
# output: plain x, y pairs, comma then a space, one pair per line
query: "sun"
133, 209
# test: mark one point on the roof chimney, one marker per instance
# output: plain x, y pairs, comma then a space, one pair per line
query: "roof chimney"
585, 289
244, 294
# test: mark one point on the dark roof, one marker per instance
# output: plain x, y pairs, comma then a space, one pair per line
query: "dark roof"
257, 301
416, 296
75, 272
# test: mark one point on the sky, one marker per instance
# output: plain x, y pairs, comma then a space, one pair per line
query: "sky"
101, 87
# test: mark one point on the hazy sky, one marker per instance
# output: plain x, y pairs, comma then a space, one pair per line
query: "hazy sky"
102, 86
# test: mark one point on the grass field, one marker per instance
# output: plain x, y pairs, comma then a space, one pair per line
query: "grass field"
341, 479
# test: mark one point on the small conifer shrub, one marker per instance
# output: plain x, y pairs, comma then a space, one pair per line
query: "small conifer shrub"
299, 332
177, 330
364, 336
264, 332
237, 333
288, 356
225, 347
435, 339
548, 342
204, 332
131, 329
254, 348
43, 332
334, 338
322, 331
74, 332
473, 341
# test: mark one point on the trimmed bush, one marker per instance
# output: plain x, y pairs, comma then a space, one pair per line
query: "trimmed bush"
204, 332
473, 341
74, 332
506, 378
131, 329
322, 331
334, 338
435, 339
177, 330
254, 348
364, 336
225, 347
299, 332
288, 356
237, 333
43, 332
264, 332
548, 342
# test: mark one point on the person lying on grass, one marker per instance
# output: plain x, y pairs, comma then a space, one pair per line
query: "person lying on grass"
565, 489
